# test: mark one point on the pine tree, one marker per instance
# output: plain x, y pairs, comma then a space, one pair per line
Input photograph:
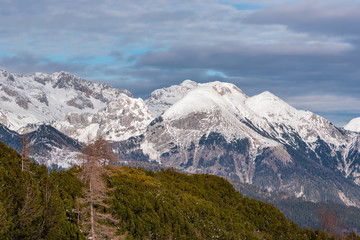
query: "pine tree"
28, 225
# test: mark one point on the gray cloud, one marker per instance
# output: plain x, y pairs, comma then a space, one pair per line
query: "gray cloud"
292, 48
292, 71
339, 18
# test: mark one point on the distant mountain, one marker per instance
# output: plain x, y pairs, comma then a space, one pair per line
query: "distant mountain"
10, 138
42, 98
121, 119
353, 125
215, 128
304, 213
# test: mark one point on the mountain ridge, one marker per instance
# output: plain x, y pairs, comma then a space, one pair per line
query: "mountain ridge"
210, 128
43, 98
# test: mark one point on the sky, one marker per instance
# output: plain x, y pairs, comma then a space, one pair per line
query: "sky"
306, 52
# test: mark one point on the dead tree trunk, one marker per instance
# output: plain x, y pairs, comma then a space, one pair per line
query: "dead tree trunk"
25, 150
92, 222
95, 155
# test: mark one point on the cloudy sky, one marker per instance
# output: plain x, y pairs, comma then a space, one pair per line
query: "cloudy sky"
306, 52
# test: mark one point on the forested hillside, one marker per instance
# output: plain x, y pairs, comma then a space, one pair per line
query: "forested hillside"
134, 204
35, 204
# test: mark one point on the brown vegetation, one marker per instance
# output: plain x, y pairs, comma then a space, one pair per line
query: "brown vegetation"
93, 208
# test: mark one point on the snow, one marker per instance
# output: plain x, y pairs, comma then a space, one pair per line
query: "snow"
346, 200
213, 107
44, 101
161, 99
353, 125
301, 193
271, 107
148, 149
207, 98
121, 119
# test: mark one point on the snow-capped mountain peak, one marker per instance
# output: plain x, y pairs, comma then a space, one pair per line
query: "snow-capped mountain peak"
353, 125
43, 98
207, 97
188, 83
271, 107
161, 99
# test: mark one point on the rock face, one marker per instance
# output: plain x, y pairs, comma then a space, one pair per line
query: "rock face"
46, 145
121, 119
76, 107
42, 98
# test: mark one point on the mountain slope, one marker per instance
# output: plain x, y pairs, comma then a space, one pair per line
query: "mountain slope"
34, 204
46, 145
42, 98
302, 212
180, 206
215, 128
121, 119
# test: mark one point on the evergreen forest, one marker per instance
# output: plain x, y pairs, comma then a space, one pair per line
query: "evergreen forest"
100, 200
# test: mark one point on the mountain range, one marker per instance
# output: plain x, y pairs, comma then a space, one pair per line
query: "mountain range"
194, 127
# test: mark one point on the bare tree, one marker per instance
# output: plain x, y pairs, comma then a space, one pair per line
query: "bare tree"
330, 222
95, 156
25, 151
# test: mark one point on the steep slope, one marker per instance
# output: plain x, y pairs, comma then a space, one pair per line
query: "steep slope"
42, 98
121, 119
353, 125
162, 99
46, 145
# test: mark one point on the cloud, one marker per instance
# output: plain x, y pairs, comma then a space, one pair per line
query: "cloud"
337, 108
296, 69
325, 103
290, 48
338, 18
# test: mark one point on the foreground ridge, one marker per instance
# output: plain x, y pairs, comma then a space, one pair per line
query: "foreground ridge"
136, 204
